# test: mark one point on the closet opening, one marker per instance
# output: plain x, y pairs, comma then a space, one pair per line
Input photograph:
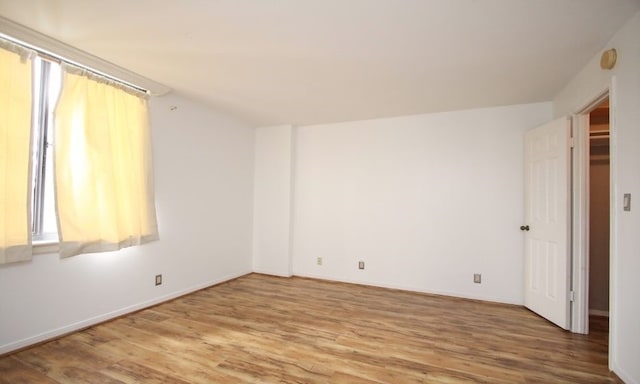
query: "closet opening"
599, 217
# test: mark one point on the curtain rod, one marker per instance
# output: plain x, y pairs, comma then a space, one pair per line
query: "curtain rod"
62, 62
55, 50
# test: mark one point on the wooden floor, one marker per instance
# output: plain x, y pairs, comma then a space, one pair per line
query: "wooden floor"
261, 329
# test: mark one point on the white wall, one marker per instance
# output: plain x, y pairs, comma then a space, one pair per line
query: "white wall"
426, 201
624, 348
272, 200
204, 177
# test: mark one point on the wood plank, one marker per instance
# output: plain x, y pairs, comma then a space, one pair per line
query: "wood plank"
262, 329
14, 371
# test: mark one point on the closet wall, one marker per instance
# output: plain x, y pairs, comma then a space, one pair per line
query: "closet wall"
599, 212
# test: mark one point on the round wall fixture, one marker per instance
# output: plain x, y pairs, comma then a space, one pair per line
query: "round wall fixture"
608, 59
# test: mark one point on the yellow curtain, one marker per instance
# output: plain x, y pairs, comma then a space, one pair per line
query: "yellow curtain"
103, 171
15, 154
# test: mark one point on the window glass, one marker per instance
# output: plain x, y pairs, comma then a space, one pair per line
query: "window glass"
47, 81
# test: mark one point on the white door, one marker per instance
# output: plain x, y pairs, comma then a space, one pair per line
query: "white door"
547, 220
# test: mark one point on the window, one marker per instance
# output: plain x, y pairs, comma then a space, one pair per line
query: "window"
46, 89
93, 191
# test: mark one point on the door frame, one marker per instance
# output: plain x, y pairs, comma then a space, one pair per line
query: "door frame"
580, 213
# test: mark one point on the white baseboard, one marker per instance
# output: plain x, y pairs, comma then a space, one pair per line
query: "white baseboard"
623, 375
598, 312
492, 299
54, 333
271, 273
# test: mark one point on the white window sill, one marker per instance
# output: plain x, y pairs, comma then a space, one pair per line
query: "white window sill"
41, 247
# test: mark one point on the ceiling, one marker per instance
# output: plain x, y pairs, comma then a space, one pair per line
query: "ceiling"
318, 61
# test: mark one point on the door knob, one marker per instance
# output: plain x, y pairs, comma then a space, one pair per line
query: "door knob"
524, 227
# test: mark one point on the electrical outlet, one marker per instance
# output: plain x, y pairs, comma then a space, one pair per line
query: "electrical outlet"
158, 279
360, 264
477, 278
319, 261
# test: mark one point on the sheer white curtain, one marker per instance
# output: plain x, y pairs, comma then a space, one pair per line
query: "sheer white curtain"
103, 168
15, 153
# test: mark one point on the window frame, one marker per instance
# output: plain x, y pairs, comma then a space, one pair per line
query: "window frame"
43, 105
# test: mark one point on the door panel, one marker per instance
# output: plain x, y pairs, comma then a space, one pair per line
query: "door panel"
547, 214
